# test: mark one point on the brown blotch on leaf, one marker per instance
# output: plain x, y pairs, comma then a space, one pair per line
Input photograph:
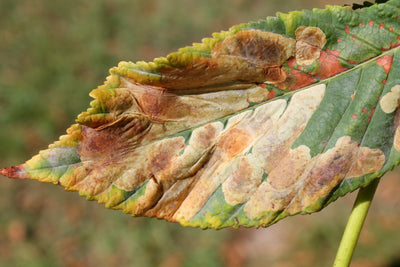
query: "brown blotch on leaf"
105, 148
234, 142
245, 58
162, 157
368, 160
151, 102
258, 47
243, 181
327, 170
110, 140
310, 41
290, 168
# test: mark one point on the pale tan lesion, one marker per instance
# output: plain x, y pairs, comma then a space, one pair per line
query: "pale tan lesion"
390, 101
368, 160
242, 180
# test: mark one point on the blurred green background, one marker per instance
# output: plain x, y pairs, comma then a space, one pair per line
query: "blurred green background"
52, 54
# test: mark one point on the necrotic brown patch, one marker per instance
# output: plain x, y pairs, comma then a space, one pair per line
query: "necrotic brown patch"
247, 57
103, 151
289, 168
266, 48
368, 160
162, 158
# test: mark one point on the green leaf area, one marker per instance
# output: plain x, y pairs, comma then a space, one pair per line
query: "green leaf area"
266, 120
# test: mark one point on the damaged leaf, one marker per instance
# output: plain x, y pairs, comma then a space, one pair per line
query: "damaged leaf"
263, 121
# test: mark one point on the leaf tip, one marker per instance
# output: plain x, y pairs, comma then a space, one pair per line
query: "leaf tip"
16, 172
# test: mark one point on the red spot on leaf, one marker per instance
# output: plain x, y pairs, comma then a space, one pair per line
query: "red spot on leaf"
271, 94
338, 40
324, 143
360, 24
364, 110
354, 37
385, 62
329, 65
262, 85
354, 116
347, 29
384, 81
370, 23
381, 25
372, 113
390, 29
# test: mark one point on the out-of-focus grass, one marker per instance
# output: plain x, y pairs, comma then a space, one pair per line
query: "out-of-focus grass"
52, 54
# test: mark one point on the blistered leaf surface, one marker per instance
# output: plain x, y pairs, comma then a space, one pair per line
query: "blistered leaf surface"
265, 120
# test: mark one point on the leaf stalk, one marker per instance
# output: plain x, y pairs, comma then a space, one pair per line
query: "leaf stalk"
355, 224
